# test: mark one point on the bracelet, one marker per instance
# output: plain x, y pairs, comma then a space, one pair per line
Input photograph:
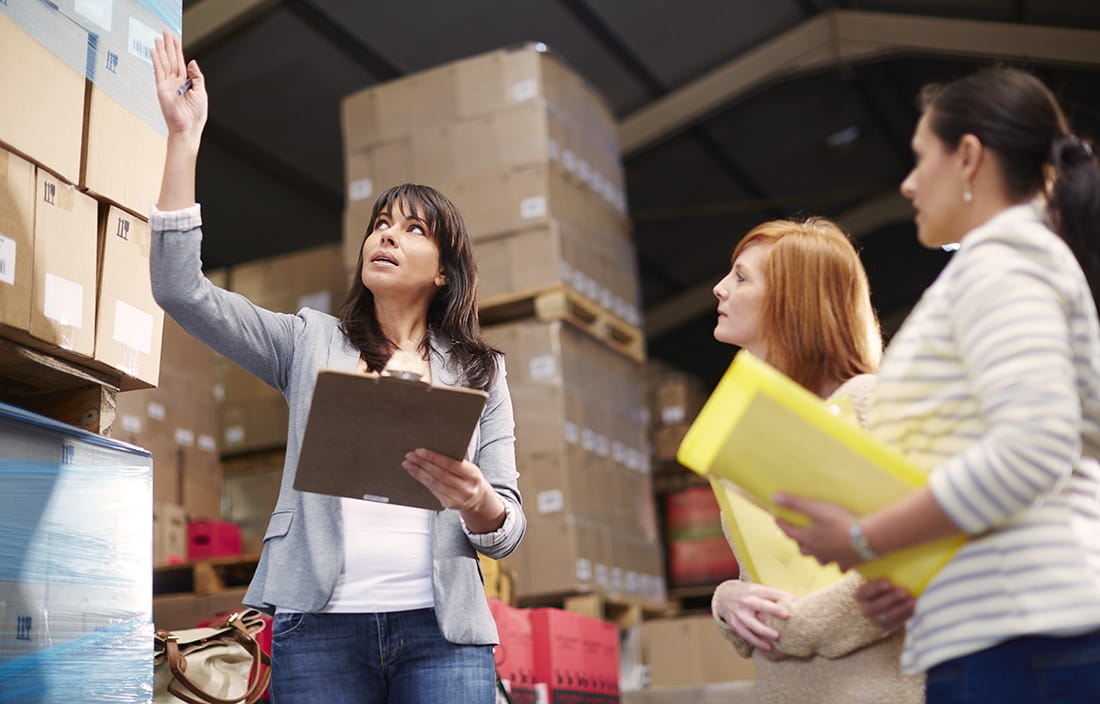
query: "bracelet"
860, 544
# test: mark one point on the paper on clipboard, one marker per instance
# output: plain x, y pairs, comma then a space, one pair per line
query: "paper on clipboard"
765, 434
361, 427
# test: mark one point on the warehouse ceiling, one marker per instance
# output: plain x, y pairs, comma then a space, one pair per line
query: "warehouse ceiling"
731, 112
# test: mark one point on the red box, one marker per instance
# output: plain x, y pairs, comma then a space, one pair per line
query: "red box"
515, 659
207, 539
576, 657
700, 561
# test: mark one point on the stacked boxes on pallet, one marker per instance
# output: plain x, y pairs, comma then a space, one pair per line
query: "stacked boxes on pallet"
528, 152
75, 565
525, 149
81, 122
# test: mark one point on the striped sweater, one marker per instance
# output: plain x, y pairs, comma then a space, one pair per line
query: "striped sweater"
993, 385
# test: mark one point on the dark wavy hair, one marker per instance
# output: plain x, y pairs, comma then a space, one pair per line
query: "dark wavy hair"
452, 312
1013, 114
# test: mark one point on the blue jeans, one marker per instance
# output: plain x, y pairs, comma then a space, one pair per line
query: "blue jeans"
395, 658
1029, 670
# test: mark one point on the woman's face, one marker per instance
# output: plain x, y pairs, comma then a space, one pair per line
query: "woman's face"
740, 297
401, 257
935, 186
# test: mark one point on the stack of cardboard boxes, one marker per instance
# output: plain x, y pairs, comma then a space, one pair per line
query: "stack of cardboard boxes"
81, 151
528, 153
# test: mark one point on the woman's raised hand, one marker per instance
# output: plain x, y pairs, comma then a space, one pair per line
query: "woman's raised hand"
181, 89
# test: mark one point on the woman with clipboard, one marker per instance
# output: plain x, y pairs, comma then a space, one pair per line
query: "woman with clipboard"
797, 297
372, 602
993, 385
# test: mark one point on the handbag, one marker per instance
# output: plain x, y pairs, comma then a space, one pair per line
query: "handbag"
219, 664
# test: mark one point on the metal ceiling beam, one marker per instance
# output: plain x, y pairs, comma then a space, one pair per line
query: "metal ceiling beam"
210, 21
842, 36
859, 221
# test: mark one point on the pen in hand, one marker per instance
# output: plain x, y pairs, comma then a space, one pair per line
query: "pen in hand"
185, 87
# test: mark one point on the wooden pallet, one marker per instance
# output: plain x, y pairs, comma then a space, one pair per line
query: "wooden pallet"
205, 576
57, 388
624, 611
563, 303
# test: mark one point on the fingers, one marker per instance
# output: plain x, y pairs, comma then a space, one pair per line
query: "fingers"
886, 605
157, 57
175, 55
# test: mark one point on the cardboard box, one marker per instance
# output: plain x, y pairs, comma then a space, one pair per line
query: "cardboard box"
17, 203
64, 297
689, 650
169, 534
470, 87
42, 85
129, 323
600, 266
123, 156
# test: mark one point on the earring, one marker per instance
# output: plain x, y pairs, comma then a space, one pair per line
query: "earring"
968, 196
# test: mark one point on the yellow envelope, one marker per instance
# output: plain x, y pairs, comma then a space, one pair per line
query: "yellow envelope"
765, 434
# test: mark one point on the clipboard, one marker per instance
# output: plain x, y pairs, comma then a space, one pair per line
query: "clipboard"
360, 428
764, 433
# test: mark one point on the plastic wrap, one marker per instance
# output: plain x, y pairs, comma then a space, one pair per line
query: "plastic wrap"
75, 565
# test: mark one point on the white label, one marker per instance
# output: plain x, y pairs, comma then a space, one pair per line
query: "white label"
133, 327
584, 170
603, 445
553, 150
141, 40
672, 414
155, 411
98, 11
588, 439
617, 578
632, 582
533, 207
219, 392
185, 437
360, 189
64, 301
584, 569
569, 160
542, 367
130, 423
618, 452
524, 90
207, 443
572, 435
601, 575
318, 300
550, 501
605, 298
234, 435
7, 260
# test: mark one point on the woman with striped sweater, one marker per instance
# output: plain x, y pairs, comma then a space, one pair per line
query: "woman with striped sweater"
993, 385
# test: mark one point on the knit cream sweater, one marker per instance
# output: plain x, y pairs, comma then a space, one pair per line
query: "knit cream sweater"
831, 653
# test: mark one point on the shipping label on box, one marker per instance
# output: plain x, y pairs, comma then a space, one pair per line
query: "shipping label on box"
63, 301
17, 189
129, 322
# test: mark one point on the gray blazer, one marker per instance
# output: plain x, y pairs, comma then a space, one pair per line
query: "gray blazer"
303, 549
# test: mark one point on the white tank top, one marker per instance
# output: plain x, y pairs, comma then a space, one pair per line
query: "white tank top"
387, 559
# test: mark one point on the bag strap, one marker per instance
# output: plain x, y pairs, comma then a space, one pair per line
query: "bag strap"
259, 672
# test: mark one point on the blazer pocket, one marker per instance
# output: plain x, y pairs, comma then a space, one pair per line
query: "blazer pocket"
279, 525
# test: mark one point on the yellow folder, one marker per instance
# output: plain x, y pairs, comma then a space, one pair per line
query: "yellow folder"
764, 433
